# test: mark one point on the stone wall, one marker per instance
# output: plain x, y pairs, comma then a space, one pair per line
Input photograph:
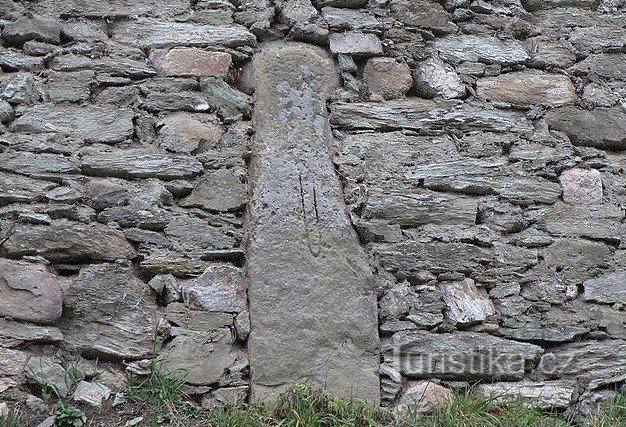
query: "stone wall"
479, 145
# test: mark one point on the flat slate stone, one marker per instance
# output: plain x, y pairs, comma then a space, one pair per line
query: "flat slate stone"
459, 356
106, 124
29, 292
312, 306
141, 164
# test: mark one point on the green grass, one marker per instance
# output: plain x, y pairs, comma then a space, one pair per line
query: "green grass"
12, 419
469, 410
305, 406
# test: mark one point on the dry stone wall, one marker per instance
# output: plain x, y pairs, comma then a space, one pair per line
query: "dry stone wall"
479, 147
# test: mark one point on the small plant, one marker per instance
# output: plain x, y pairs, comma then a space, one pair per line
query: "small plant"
48, 391
69, 416
159, 389
12, 419
614, 415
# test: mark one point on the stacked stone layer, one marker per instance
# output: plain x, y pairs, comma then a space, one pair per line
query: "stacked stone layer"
480, 144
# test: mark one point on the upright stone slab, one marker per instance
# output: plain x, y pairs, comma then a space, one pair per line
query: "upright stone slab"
312, 306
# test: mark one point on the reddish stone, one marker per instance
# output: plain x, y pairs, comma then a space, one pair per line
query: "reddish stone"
29, 292
387, 77
192, 62
582, 186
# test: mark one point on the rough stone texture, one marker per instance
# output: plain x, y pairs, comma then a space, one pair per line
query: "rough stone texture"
47, 371
495, 184
465, 304
387, 78
95, 124
594, 363
220, 288
355, 43
192, 62
469, 47
549, 395
92, 393
140, 164
202, 359
603, 128
115, 314
182, 132
459, 356
423, 397
608, 288
581, 186
218, 191
29, 292
436, 78
326, 304
526, 88
66, 240
35, 28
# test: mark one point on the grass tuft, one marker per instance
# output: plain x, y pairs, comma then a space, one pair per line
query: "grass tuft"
12, 419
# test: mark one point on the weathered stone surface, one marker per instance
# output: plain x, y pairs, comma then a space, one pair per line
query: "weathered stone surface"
219, 190
14, 60
421, 115
608, 288
29, 292
121, 67
112, 313
71, 86
436, 78
191, 62
423, 397
387, 77
349, 19
112, 8
581, 186
459, 356
220, 288
355, 43
46, 370
13, 334
195, 320
604, 128
182, 132
6, 112
422, 14
69, 241
594, 364
140, 164
528, 88
417, 208
296, 12
159, 34
600, 222
465, 303
35, 28
17, 188
535, 333
409, 256
202, 358
92, 124
534, 5
92, 393
229, 104
40, 163
543, 395
297, 213
14, 362
476, 48
611, 66
340, 3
